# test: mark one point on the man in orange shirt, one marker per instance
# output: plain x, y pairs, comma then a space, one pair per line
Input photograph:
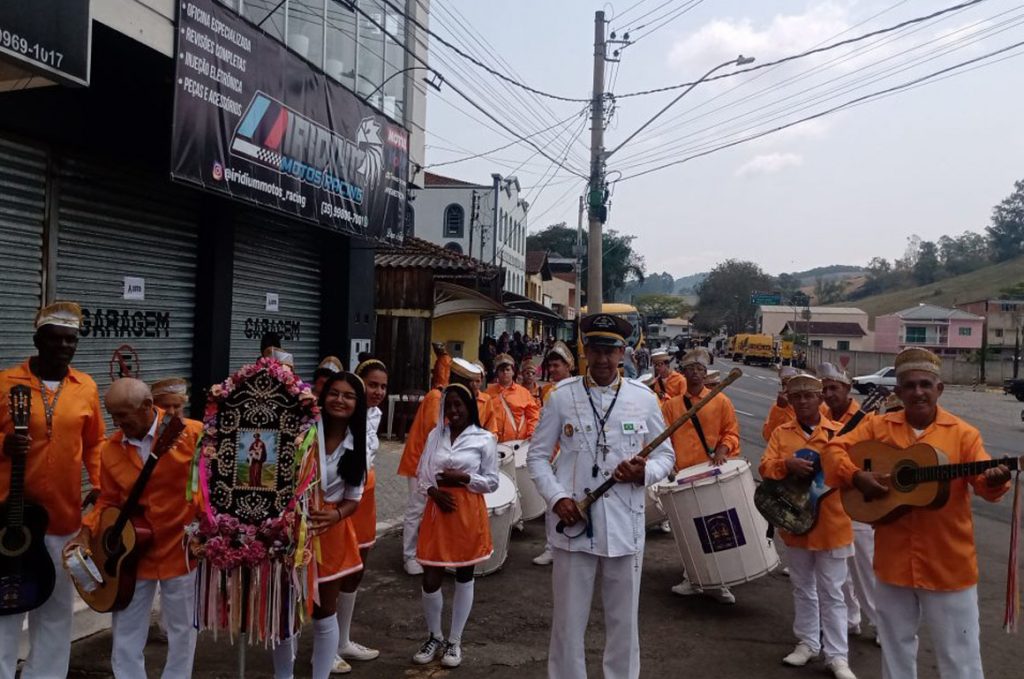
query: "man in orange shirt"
859, 589
514, 409
560, 365
817, 559
667, 382
462, 372
711, 435
165, 510
780, 411
925, 560
65, 429
441, 373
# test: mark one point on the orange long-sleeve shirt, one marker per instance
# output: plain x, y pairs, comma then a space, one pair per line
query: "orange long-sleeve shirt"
852, 409
426, 420
834, 528
776, 417
53, 467
929, 549
442, 372
162, 505
717, 421
522, 406
667, 387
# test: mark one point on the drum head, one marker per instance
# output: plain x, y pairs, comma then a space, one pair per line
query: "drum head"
504, 495
703, 473
521, 448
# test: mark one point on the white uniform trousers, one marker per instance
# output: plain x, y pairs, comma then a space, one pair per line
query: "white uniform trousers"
130, 628
859, 588
819, 610
572, 582
411, 522
952, 619
49, 627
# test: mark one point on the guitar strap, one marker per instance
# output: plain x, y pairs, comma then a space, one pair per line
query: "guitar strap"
695, 420
853, 422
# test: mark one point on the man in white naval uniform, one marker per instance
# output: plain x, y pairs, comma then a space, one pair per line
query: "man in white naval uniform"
600, 422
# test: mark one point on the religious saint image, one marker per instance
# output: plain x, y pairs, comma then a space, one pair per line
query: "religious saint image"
256, 458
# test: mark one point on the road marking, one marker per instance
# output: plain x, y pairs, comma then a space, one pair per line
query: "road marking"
744, 412
760, 377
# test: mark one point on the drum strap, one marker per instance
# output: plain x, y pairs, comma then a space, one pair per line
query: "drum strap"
700, 430
508, 413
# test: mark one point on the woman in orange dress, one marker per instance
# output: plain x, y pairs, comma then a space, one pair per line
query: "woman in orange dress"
374, 375
458, 467
342, 470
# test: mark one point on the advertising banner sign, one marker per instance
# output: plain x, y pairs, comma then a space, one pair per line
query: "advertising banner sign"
258, 123
49, 37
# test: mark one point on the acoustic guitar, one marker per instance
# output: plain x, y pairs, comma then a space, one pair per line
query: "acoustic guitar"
123, 536
919, 476
27, 574
791, 503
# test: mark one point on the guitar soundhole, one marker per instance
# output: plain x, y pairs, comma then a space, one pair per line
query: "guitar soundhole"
112, 543
903, 476
14, 541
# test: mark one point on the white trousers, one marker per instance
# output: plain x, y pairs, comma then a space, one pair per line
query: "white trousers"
130, 628
572, 581
49, 627
859, 588
819, 610
411, 522
952, 619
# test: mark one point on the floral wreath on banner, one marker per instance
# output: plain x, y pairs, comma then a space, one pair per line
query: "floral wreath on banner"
251, 540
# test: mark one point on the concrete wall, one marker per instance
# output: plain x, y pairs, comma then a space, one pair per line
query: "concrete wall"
971, 341
463, 328
887, 333
429, 208
954, 370
771, 319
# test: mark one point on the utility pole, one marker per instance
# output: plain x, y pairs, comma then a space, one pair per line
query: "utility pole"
597, 212
474, 216
579, 259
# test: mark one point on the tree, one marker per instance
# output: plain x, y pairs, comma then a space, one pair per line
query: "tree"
620, 262
658, 306
926, 268
828, 291
725, 296
787, 284
1006, 230
964, 253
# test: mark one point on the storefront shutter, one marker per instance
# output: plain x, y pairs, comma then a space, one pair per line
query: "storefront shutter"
280, 258
22, 214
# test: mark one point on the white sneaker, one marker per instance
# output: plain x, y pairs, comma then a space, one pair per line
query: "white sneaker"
722, 595
356, 651
452, 656
685, 588
665, 526
840, 669
800, 656
340, 666
413, 567
785, 571
430, 649
545, 558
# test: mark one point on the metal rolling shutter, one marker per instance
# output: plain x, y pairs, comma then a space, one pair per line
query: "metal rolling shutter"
115, 224
282, 258
22, 213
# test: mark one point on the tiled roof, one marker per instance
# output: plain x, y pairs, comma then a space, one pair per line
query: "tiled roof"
416, 253
932, 312
431, 179
831, 328
535, 260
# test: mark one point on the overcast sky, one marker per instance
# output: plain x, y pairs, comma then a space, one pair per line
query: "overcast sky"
931, 160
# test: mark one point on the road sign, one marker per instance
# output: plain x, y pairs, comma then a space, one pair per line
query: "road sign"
765, 298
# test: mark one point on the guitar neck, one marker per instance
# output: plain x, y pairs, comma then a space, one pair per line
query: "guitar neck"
948, 472
16, 495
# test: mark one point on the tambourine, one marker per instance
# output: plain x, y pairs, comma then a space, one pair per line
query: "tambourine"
83, 570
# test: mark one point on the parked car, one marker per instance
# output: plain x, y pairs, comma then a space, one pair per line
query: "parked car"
886, 377
1016, 389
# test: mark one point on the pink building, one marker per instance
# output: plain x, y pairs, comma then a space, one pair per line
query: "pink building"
947, 332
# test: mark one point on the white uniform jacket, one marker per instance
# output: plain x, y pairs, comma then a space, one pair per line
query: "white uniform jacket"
567, 419
475, 452
373, 415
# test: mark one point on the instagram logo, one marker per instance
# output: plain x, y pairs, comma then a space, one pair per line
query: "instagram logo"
218, 170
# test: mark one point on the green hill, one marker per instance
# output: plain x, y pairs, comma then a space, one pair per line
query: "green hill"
981, 284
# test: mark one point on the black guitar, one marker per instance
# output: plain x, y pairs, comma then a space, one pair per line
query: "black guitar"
26, 570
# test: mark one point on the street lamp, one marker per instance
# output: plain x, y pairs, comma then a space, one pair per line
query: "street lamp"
738, 61
434, 80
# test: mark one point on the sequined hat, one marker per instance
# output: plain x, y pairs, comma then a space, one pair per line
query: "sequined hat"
62, 314
916, 358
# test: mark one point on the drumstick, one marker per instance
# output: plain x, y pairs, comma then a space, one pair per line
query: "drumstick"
592, 496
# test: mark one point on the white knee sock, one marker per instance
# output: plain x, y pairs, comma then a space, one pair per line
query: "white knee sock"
462, 604
346, 606
325, 646
283, 656
433, 602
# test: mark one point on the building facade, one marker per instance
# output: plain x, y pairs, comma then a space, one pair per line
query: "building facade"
1003, 321
174, 280
771, 319
947, 332
840, 335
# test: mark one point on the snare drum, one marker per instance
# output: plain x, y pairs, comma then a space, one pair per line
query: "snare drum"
500, 504
720, 535
507, 465
654, 514
530, 498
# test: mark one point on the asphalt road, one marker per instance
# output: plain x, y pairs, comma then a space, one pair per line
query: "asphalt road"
507, 635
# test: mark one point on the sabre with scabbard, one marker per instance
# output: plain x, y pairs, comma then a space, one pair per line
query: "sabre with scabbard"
592, 496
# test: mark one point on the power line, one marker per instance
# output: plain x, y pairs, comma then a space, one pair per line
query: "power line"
474, 60
848, 104
676, 13
812, 51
